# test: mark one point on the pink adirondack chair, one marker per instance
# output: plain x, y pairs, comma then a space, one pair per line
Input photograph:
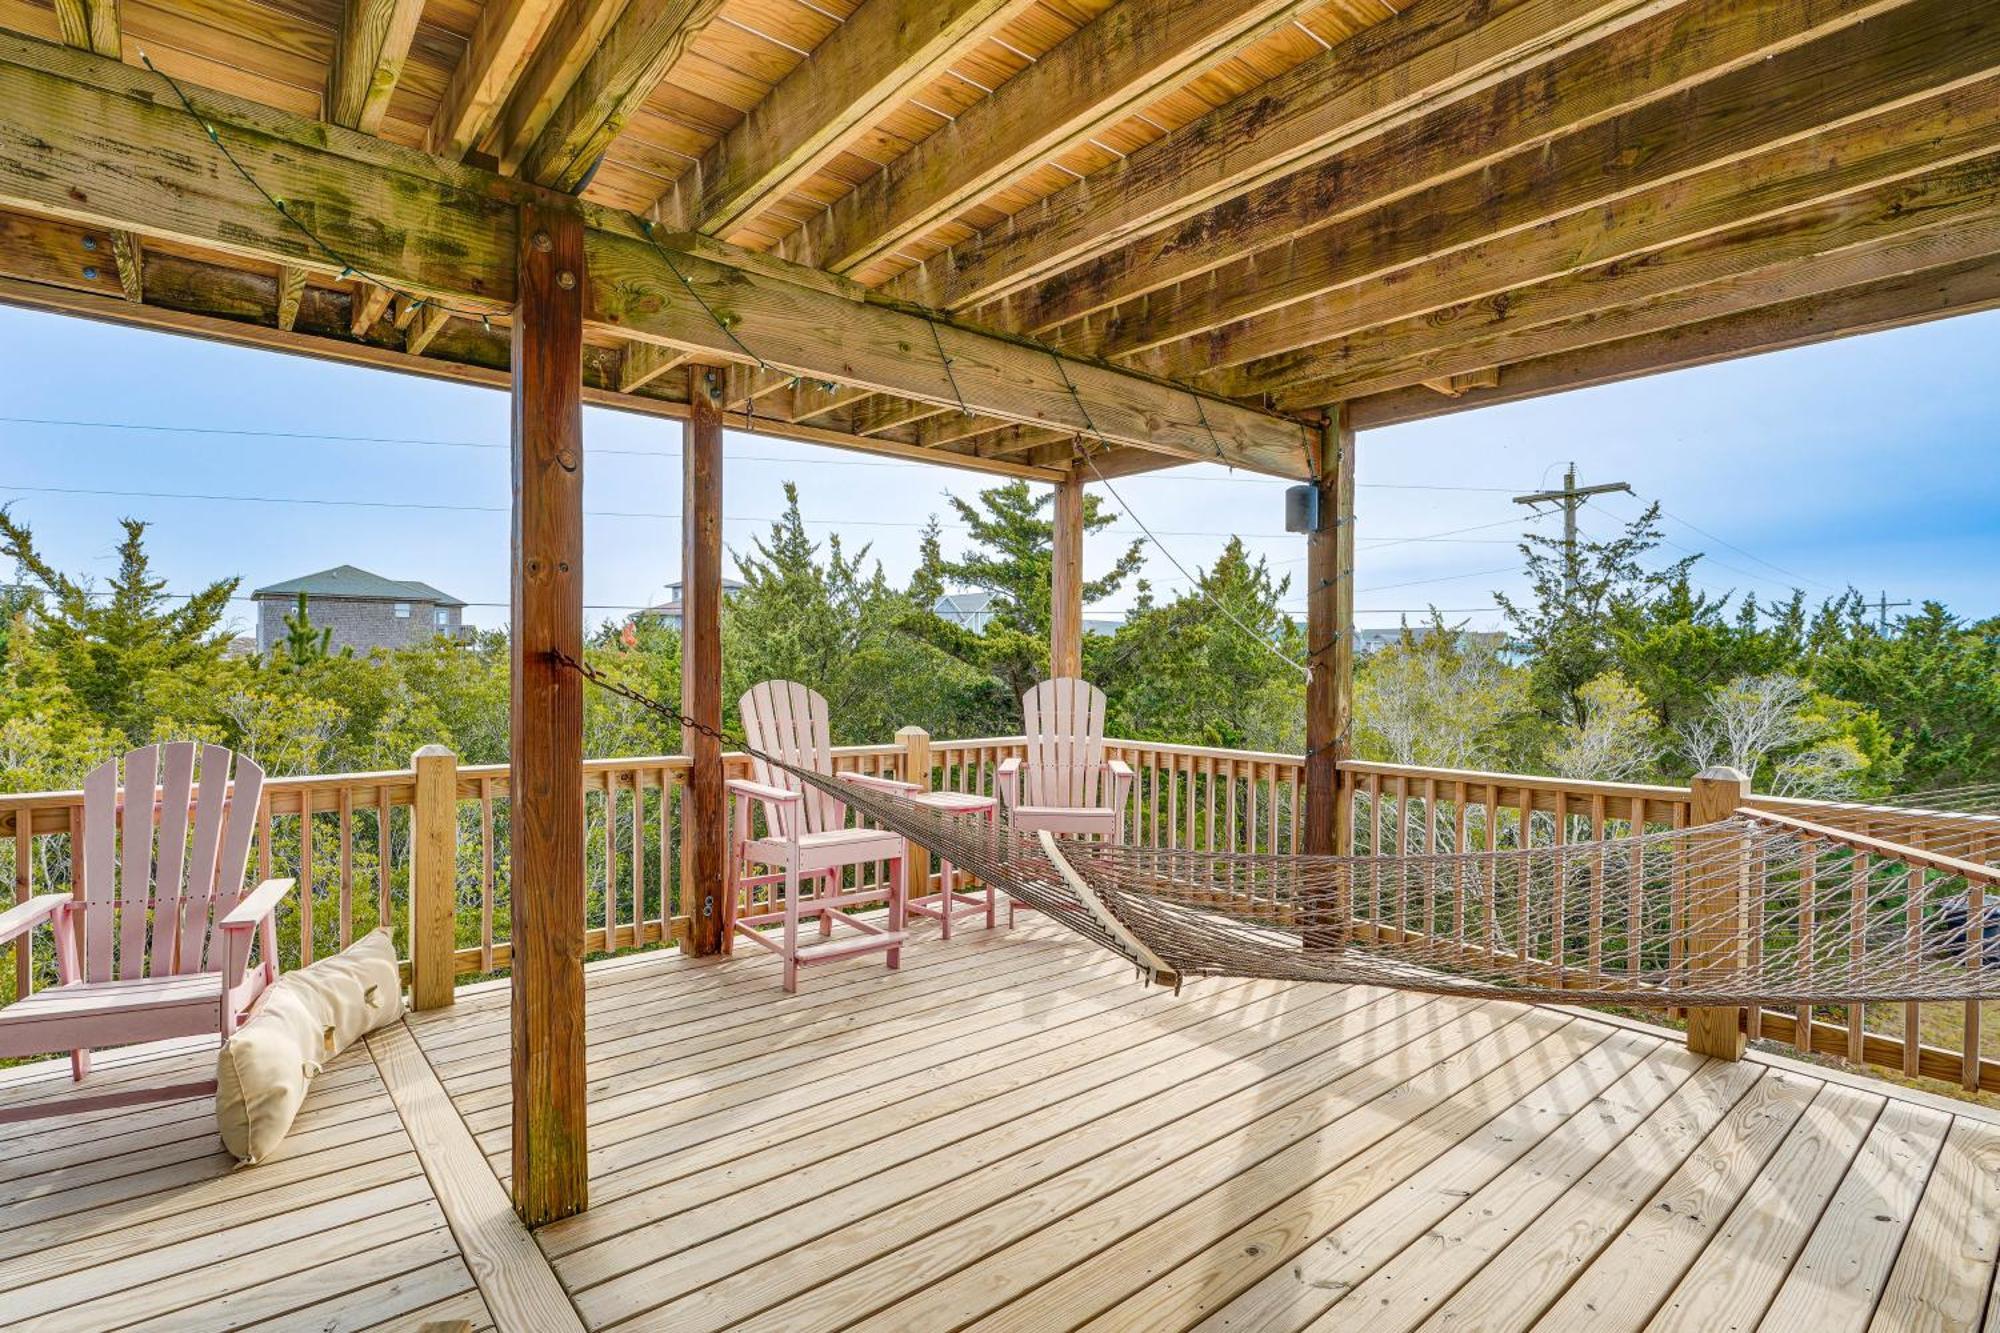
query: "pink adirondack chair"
157, 941
1064, 784
806, 838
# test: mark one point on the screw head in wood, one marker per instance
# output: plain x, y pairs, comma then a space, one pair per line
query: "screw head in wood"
90, 242
541, 241
566, 280
89, 273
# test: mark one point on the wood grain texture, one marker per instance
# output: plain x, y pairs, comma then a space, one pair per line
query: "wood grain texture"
550, 1175
1066, 580
520, 1289
706, 830
1330, 642
375, 38
432, 941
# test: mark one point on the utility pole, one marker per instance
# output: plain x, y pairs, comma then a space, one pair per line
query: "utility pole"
1883, 606
1571, 498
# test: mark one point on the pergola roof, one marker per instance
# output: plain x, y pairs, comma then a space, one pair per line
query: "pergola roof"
1226, 215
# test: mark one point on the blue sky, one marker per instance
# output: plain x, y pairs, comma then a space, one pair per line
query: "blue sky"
1866, 461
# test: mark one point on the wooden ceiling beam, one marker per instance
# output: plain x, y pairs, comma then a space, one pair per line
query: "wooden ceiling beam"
461, 353
1383, 76
502, 44
1645, 63
1893, 302
645, 362
640, 49
1320, 339
374, 41
1114, 66
867, 65
88, 139
1744, 146
90, 25
554, 64
1901, 225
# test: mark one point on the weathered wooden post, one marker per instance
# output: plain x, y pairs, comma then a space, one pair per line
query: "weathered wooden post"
1718, 908
433, 878
1066, 580
704, 833
916, 767
1330, 660
550, 1162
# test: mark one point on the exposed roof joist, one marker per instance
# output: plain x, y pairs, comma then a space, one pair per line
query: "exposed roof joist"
1107, 71
108, 148
375, 38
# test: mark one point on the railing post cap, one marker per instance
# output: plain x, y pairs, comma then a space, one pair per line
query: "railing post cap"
1720, 773
912, 734
433, 752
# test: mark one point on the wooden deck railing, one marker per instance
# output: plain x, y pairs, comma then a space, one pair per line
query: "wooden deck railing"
347, 838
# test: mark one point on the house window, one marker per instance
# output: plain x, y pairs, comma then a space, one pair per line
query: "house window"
443, 618
402, 610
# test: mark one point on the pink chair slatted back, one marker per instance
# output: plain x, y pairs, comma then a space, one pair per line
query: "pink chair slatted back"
785, 719
1064, 722
167, 848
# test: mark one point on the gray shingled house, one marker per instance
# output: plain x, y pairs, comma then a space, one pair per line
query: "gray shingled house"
365, 610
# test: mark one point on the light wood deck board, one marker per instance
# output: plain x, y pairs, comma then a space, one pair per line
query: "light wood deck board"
1010, 1134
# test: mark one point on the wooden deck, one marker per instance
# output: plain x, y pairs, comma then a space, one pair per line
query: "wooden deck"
1011, 1133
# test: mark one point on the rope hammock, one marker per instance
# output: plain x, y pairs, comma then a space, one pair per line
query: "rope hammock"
1759, 909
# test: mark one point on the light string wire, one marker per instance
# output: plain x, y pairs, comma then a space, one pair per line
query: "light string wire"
647, 230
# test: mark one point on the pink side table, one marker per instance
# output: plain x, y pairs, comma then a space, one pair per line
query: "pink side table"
948, 903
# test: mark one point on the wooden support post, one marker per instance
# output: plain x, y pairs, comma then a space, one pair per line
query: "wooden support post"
550, 1162
703, 808
1330, 652
434, 878
1718, 901
916, 767
1066, 580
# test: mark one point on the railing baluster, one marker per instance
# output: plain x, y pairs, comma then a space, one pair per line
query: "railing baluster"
485, 874
1808, 946
384, 849
1857, 945
306, 941
1913, 919
24, 889
1635, 907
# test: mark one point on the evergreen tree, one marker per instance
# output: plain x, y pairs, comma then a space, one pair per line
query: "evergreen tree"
1012, 555
1566, 626
303, 643
114, 649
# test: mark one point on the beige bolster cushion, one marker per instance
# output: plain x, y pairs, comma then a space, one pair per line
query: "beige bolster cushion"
305, 1019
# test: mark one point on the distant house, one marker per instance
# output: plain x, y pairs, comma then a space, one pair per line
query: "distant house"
668, 613
364, 610
974, 609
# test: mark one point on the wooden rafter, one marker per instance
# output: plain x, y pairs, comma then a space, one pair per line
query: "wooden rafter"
1321, 339
291, 289
645, 362
559, 57
869, 63
1108, 70
639, 50
90, 25
1290, 216
375, 38
1894, 302
494, 60
1380, 78
105, 142
1716, 163
462, 353
1865, 234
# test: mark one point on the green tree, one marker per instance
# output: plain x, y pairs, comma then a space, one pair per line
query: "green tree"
1934, 682
1012, 555
1183, 671
304, 643
113, 649
1437, 696
1565, 626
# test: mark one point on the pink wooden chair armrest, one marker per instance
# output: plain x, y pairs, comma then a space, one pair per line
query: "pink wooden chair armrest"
758, 791
18, 920
1008, 781
256, 905
884, 784
1121, 782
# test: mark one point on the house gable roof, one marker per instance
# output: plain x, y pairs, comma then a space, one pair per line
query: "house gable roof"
347, 581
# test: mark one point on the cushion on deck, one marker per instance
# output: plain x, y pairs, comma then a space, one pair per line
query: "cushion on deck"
305, 1019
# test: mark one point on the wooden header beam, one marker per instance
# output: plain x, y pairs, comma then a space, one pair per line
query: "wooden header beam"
92, 140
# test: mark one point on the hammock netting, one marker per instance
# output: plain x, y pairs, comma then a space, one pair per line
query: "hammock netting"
1869, 904
1749, 911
